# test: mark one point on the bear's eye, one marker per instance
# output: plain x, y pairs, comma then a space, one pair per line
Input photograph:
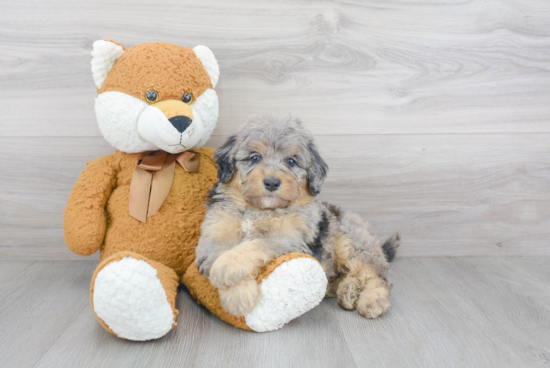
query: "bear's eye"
187, 98
151, 95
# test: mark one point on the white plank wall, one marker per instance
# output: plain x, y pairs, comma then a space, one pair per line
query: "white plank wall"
434, 116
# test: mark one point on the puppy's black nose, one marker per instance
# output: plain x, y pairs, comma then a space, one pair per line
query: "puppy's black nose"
272, 184
180, 122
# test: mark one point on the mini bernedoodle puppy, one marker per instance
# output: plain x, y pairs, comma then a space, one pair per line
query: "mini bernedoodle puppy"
265, 206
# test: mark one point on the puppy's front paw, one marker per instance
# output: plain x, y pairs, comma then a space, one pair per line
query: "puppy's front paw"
373, 303
242, 298
228, 270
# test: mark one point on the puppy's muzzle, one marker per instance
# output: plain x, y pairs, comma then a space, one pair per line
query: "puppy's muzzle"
178, 113
272, 184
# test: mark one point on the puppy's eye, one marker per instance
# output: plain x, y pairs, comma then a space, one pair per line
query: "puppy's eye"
255, 159
291, 162
187, 98
151, 96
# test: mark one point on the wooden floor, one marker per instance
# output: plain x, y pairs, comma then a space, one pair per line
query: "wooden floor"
446, 312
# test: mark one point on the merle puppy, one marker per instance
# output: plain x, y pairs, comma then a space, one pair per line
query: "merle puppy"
265, 206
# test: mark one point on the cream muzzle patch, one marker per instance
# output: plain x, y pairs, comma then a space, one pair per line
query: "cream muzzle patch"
173, 135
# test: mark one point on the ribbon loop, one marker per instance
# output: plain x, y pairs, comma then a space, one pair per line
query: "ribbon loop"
189, 160
152, 161
152, 180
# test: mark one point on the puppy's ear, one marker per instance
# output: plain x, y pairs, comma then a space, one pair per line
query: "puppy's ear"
317, 172
225, 159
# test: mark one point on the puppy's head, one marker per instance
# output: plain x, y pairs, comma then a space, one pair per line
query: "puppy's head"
271, 162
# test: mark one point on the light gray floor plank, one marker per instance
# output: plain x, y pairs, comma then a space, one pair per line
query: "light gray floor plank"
459, 312
446, 312
177, 349
38, 302
313, 340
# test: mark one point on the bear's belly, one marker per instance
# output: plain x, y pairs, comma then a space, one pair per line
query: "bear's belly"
171, 235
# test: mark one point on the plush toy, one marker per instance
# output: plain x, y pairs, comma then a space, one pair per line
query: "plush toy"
143, 205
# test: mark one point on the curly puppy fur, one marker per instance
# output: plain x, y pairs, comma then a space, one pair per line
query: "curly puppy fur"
264, 206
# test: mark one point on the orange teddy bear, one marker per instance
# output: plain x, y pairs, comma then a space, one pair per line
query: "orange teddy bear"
142, 206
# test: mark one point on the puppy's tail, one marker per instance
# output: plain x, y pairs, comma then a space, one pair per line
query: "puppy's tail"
390, 246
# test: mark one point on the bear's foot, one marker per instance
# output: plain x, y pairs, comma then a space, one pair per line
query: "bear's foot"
134, 298
290, 286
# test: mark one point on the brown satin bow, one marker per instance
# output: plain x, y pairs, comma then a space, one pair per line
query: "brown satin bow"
152, 180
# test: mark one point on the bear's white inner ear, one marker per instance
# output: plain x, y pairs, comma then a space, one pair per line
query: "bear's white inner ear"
104, 55
209, 62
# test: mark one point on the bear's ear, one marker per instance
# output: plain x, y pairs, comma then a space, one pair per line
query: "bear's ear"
104, 55
209, 62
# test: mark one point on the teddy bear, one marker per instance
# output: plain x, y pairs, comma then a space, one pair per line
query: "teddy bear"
143, 205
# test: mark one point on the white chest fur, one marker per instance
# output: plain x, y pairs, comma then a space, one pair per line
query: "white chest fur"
266, 224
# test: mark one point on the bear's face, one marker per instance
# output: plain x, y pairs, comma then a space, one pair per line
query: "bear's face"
155, 95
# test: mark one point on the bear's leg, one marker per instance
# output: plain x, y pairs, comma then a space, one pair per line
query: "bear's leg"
133, 297
289, 286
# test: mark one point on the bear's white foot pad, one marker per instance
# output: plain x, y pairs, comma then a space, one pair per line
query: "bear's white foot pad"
129, 298
291, 290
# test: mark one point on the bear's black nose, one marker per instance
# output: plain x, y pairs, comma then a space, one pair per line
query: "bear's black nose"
180, 122
272, 184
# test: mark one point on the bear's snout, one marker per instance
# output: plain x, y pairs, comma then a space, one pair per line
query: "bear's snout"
180, 122
171, 125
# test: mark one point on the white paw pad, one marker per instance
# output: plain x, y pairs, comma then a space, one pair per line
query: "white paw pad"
289, 291
129, 298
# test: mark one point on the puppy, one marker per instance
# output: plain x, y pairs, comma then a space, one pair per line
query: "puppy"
265, 206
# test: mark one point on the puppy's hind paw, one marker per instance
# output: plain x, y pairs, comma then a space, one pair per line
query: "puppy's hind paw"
348, 294
373, 303
242, 298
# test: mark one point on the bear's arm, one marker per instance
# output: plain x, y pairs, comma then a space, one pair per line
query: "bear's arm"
84, 223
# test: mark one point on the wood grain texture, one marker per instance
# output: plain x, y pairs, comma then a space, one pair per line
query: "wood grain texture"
463, 312
345, 67
480, 194
38, 302
433, 116
446, 312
